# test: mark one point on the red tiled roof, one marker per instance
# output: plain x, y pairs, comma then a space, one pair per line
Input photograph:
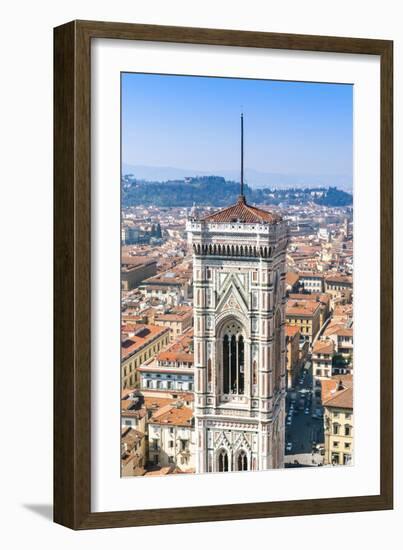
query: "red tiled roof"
179, 416
301, 308
338, 329
339, 278
291, 278
313, 297
323, 346
242, 212
291, 330
315, 274
331, 396
136, 260
134, 337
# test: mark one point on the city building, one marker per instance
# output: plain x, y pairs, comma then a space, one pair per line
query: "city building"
171, 437
139, 343
322, 357
306, 316
135, 269
239, 343
132, 452
322, 299
178, 320
311, 282
292, 343
172, 287
323, 234
130, 234
337, 400
337, 282
136, 315
292, 281
342, 336
172, 369
133, 413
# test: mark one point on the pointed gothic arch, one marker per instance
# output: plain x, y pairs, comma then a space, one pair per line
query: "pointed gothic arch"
222, 460
231, 356
242, 461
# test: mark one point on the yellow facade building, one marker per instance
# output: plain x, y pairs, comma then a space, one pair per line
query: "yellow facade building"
306, 316
139, 344
337, 400
178, 320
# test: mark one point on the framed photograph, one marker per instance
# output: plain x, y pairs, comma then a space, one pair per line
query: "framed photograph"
223, 275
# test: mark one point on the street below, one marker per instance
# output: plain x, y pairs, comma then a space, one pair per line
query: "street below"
304, 428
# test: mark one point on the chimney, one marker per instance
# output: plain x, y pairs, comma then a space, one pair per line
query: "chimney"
340, 386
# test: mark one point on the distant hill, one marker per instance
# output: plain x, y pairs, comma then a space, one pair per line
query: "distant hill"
217, 191
254, 178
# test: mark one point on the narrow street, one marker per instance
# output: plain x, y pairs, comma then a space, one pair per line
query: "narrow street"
303, 431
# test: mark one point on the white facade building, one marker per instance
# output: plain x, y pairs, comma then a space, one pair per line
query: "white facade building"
239, 343
155, 377
171, 437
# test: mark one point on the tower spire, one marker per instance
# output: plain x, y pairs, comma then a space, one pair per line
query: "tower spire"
241, 194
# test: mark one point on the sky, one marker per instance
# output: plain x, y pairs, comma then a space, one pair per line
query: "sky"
193, 123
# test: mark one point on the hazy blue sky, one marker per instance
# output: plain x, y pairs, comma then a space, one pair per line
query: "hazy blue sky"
193, 123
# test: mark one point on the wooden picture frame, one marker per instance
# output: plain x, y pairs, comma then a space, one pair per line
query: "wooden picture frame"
72, 271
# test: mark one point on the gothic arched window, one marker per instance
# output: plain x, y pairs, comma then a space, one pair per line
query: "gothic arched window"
242, 462
223, 461
225, 364
233, 360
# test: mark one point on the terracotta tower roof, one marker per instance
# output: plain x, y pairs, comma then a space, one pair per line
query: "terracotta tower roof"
242, 212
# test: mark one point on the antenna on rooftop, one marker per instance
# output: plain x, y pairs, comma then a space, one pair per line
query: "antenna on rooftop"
242, 195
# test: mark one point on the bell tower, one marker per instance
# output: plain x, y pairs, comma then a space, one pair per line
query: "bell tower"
239, 344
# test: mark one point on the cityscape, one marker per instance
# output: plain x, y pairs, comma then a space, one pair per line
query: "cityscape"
236, 325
